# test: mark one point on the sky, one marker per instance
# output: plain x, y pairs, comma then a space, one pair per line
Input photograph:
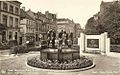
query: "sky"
78, 10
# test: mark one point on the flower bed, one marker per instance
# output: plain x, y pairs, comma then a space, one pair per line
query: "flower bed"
57, 65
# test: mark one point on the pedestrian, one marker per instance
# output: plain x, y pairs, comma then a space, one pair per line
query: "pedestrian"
16, 48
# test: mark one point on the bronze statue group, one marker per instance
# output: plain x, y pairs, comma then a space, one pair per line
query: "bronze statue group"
61, 40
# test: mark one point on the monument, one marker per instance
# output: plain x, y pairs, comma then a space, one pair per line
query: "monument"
61, 51
60, 54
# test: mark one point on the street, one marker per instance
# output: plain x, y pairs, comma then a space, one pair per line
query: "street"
10, 64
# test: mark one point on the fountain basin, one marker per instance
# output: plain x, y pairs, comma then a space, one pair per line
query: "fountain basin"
55, 54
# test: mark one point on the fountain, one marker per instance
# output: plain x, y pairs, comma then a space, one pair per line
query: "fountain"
60, 54
58, 50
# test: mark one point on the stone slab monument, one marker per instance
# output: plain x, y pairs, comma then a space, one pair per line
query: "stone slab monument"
94, 43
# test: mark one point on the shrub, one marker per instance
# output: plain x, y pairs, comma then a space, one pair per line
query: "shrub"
19, 49
115, 48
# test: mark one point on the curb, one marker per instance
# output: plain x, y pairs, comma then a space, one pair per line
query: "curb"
59, 71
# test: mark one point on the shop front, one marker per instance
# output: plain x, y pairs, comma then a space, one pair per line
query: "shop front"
30, 37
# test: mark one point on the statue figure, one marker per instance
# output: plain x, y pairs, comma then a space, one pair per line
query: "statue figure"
71, 37
60, 37
66, 41
48, 36
70, 40
51, 35
64, 38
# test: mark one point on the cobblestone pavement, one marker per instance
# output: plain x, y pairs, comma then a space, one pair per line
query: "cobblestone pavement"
16, 65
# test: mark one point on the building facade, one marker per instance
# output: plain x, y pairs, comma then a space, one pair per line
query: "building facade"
10, 17
78, 30
27, 24
41, 27
52, 20
65, 24
44, 22
38, 26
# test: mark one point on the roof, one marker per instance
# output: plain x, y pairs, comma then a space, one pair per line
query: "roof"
63, 19
23, 15
18, 2
63, 24
39, 14
15, 2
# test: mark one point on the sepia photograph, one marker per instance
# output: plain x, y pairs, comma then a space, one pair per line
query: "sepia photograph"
59, 37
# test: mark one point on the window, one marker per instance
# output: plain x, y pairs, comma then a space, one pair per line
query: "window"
10, 35
41, 27
16, 22
5, 20
11, 22
48, 27
27, 22
0, 5
11, 9
5, 6
16, 11
31, 22
36, 29
27, 29
15, 35
4, 36
33, 30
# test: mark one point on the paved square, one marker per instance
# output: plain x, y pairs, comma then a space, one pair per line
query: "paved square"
16, 65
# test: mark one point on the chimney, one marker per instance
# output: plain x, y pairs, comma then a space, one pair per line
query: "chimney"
23, 8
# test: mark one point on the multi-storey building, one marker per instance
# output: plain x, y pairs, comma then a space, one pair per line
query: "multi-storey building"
41, 27
78, 30
27, 24
44, 22
38, 27
10, 17
65, 24
52, 20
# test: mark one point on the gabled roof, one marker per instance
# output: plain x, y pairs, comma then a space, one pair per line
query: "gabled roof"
63, 19
24, 15
16, 2
41, 14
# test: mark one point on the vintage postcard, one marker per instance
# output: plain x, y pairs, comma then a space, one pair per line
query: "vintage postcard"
59, 37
